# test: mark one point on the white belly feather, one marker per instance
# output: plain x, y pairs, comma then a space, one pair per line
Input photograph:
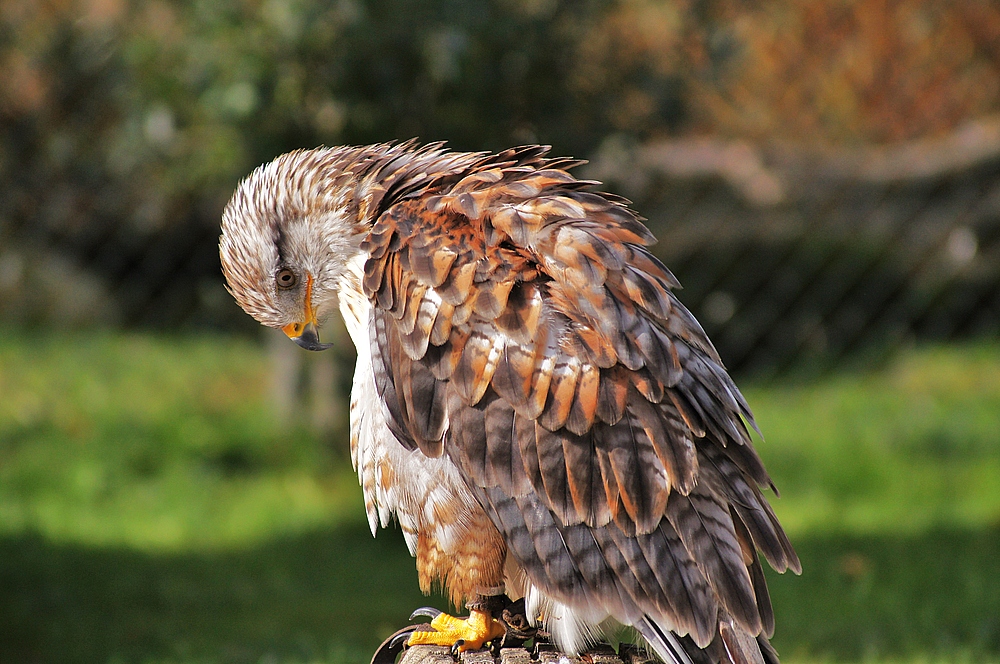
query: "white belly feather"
394, 480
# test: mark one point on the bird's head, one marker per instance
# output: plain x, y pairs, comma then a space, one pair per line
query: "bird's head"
287, 236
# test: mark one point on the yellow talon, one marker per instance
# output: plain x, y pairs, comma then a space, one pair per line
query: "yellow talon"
479, 628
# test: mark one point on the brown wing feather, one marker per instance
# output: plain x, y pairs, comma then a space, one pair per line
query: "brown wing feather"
522, 326
756, 575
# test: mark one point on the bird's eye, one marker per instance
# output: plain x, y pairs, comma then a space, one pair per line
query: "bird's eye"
285, 278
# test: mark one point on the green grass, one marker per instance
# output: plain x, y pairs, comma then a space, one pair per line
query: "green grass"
907, 448
152, 509
155, 443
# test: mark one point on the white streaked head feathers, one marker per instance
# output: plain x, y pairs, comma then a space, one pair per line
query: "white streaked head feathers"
296, 211
308, 210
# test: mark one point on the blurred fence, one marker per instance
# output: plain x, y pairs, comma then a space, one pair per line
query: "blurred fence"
793, 256
788, 255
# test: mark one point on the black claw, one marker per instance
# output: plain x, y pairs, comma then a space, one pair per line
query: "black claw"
455, 646
391, 647
428, 611
400, 638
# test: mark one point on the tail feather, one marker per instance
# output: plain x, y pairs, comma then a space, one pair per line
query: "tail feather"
767, 650
664, 642
732, 645
741, 646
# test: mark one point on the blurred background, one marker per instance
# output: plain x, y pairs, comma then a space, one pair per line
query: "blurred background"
824, 179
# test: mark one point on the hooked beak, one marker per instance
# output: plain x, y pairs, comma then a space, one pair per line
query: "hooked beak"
305, 334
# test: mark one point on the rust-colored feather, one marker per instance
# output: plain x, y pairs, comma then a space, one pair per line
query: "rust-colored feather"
583, 479
481, 357
673, 446
432, 267
522, 316
641, 478
441, 329
513, 377
584, 407
456, 286
687, 412
647, 386
446, 357
415, 341
562, 389
612, 394
491, 298
410, 306
599, 349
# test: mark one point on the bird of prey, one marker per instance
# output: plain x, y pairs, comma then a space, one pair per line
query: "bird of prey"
531, 402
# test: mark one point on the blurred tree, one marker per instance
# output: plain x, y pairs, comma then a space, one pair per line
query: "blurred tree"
847, 71
124, 124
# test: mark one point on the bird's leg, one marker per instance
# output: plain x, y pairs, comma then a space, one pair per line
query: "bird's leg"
519, 628
463, 634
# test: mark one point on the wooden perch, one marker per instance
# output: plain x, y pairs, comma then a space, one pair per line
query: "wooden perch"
543, 653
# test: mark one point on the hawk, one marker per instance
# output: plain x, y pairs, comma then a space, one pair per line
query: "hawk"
531, 402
